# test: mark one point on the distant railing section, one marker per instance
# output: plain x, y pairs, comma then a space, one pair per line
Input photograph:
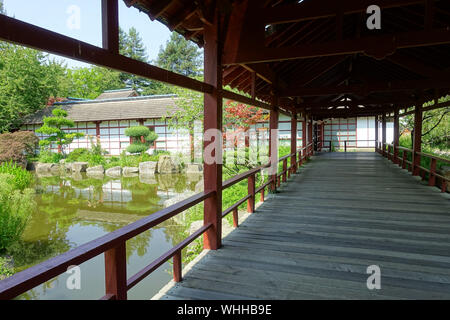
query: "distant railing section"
113, 244
348, 144
401, 155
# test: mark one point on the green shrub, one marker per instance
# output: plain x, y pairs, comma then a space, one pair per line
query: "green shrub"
17, 146
77, 155
137, 132
5, 269
46, 156
137, 148
16, 207
18, 177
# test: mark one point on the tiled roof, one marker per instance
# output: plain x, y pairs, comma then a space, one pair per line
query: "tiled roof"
148, 107
118, 94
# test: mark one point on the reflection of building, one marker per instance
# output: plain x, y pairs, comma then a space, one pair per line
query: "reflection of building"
110, 114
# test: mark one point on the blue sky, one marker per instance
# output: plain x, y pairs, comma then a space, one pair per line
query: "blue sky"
56, 15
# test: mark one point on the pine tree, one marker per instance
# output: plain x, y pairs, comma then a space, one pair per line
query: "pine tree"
180, 56
132, 46
2, 9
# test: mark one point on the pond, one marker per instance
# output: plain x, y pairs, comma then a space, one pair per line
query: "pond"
76, 209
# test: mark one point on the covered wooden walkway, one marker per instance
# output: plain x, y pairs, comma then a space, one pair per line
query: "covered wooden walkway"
315, 239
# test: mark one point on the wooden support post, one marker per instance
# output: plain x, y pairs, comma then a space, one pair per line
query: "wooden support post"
417, 139
213, 121
376, 134
235, 218
304, 134
432, 177
116, 272
383, 133
310, 136
177, 265
110, 25
273, 141
322, 135
345, 146
284, 170
262, 195
396, 135
294, 143
404, 159
251, 192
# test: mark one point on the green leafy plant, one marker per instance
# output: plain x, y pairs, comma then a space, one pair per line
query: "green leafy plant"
16, 176
53, 128
141, 137
46, 156
16, 207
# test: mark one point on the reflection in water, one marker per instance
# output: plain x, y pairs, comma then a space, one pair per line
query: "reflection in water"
76, 209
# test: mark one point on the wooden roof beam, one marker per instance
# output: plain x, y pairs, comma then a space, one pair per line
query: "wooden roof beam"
377, 47
311, 10
364, 90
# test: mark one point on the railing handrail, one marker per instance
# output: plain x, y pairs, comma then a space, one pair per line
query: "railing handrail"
431, 156
28, 279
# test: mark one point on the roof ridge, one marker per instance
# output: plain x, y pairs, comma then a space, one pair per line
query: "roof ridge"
69, 102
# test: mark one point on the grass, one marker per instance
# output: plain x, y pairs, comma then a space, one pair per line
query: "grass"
16, 175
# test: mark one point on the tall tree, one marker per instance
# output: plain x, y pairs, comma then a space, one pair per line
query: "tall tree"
132, 46
2, 9
89, 83
180, 56
27, 79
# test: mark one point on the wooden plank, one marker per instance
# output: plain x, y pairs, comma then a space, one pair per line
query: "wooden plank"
316, 242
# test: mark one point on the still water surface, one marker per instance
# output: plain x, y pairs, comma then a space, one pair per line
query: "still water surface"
74, 210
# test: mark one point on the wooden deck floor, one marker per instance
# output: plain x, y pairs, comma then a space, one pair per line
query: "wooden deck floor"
316, 238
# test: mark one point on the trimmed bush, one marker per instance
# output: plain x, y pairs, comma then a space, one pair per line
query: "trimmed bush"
137, 147
137, 132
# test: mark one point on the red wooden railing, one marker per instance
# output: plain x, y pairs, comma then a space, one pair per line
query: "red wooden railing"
356, 146
114, 248
391, 152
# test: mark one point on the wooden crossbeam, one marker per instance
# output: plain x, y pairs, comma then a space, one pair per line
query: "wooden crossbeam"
310, 10
378, 47
364, 90
22, 33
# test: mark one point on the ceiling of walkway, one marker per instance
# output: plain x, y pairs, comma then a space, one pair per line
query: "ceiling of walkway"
319, 56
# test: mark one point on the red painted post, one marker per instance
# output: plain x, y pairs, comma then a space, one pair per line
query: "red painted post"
110, 25
417, 139
404, 160
262, 195
432, 178
213, 121
273, 149
116, 272
304, 138
235, 218
396, 135
293, 143
310, 136
177, 276
284, 170
383, 132
300, 160
251, 192
376, 133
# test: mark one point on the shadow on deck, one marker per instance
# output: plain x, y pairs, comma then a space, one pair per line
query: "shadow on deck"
315, 239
